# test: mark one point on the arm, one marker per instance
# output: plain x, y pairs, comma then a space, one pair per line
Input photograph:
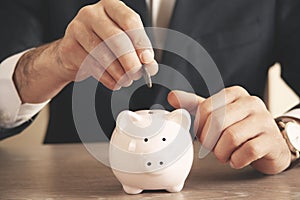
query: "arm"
237, 126
16, 116
12, 112
42, 72
37, 76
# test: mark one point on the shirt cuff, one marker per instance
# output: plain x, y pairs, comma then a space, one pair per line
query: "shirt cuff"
12, 112
295, 113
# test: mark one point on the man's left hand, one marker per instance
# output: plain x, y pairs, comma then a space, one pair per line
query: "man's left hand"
247, 133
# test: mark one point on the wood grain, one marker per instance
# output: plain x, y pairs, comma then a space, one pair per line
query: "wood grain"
70, 172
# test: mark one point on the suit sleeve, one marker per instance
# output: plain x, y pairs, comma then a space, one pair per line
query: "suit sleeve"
21, 25
8, 132
21, 29
288, 41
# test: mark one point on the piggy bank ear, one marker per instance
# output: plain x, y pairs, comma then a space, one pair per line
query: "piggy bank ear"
182, 117
127, 117
139, 126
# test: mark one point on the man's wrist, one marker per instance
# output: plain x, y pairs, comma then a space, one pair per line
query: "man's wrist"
38, 75
12, 111
282, 123
52, 59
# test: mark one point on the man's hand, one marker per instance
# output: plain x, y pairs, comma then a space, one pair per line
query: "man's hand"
246, 134
43, 72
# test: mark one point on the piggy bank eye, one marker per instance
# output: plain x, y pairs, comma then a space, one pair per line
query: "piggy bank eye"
164, 139
146, 140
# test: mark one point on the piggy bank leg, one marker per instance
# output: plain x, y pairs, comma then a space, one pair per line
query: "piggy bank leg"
131, 190
176, 188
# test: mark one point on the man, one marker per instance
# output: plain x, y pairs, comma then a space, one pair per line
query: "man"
243, 37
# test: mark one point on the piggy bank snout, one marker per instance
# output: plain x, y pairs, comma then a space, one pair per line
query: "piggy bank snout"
154, 166
158, 158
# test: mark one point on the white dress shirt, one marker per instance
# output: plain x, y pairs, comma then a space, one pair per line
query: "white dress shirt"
14, 113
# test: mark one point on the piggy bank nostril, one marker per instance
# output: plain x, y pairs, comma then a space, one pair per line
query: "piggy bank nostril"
146, 140
164, 139
161, 162
148, 163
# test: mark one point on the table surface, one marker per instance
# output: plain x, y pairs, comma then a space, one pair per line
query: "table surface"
70, 172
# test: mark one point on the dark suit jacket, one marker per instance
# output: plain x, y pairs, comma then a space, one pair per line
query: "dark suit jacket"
244, 37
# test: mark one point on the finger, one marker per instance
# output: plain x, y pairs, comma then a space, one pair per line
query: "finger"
229, 114
181, 99
90, 42
251, 151
206, 114
215, 102
152, 68
95, 69
117, 41
131, 22
235, 135
118, 74
218, 121
105, 78
109, 62
85, 36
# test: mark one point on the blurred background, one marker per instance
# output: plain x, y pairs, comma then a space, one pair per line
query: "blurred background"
278, 97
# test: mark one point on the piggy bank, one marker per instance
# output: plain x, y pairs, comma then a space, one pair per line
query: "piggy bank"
151, 150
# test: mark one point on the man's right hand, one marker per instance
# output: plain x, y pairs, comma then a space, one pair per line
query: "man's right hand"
116, 62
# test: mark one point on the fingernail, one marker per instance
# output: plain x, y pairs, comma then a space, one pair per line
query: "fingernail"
152, 67
179, 94
203, 152
117, 87
129, 83
147, 56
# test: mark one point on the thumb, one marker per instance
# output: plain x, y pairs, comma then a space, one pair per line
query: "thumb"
186, 100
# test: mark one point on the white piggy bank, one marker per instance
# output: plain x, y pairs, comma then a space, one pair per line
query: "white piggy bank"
152, 150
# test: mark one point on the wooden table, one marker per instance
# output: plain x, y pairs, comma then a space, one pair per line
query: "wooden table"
70, 172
